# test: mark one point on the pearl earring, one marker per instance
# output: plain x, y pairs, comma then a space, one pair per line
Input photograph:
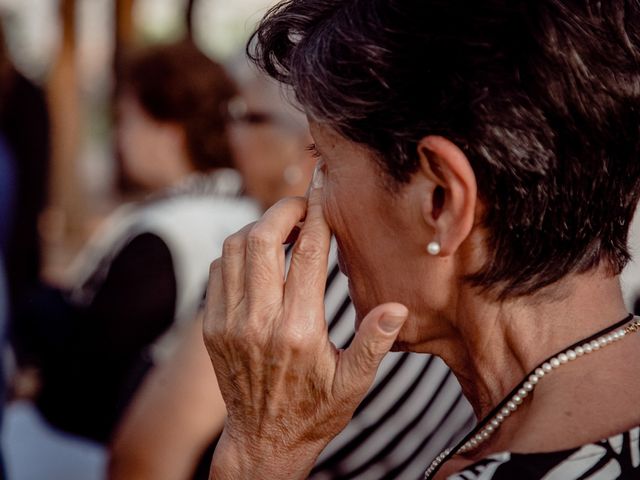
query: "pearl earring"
433, 248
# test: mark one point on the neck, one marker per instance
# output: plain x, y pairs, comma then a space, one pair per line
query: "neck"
491, 346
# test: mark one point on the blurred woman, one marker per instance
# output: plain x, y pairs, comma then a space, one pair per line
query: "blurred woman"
142, 274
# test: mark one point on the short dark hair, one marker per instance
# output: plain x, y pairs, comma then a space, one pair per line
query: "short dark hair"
178, 83
543, 96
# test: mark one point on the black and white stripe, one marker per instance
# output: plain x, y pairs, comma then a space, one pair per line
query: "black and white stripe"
616, 457
414, 409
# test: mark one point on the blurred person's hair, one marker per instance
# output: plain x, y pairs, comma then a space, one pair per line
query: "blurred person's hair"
178, 83
543, 96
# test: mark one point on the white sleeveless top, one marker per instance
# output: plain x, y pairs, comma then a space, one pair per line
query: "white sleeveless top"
192, 220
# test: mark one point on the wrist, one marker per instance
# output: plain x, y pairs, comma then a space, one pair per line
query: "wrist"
235, 458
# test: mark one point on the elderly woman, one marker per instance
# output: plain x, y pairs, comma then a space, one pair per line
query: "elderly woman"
479, 171
178, 413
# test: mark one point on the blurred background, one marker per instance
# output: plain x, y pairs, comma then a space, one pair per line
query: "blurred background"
62, 66
71, 89
72, 49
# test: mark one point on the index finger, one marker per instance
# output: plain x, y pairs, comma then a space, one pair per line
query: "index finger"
308, 271
264, 270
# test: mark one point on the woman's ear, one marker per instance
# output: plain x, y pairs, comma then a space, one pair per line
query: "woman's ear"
450, 204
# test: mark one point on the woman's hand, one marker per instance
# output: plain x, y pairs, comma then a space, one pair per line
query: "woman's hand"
288, 390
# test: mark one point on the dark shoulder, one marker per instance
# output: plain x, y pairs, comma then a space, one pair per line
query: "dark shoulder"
144, 261
143, 247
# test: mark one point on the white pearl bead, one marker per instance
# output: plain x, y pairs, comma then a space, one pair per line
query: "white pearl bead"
485, 435
533, 379
528, 386
495, 423
523, 393
602, 342
433, 248
517, 399
547, 367
512, 406
587, 348
555, 363
571, 354
595, 345
611, 338
563, 358
579, 351
500, 417
505, 412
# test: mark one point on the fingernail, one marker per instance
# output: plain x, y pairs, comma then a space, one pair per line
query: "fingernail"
318, 176
391, 323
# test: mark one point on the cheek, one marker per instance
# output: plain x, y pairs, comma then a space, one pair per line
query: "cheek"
369, 248
129, 140
342, 213
333, 207
351, 211
258, 152
239, 142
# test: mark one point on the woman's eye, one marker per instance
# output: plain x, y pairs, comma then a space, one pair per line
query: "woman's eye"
314, 151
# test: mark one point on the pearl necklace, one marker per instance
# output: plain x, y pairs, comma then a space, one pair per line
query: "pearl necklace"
483, 431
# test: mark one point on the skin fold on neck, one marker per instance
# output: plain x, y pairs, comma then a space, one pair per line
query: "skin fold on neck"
493, 346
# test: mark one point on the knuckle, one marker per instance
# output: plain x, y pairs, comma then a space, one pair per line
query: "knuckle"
289, 201
293, 340
259, 318
309, 248
210, 329
233, 245
262, 312
259, 239
251, 335
213, 267
280, 203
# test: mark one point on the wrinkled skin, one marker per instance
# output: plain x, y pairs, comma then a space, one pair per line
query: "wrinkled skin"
288, 390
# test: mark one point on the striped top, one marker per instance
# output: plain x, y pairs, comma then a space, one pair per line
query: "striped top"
617, 457
413, 411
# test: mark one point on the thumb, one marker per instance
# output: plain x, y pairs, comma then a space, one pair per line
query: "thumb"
373, 340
